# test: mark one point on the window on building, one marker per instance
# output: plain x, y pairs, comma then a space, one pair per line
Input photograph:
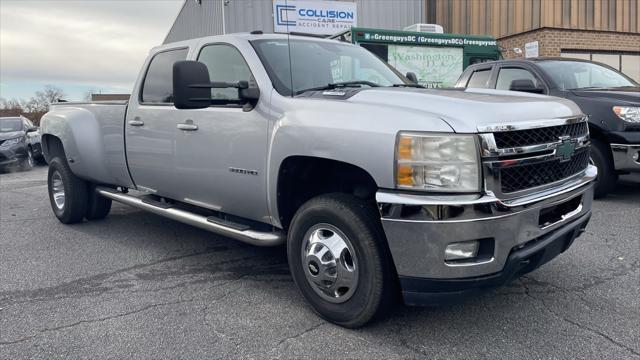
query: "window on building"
574, 55
479, 79
628, 64
612, 60
507, 75
225, 64
158, 82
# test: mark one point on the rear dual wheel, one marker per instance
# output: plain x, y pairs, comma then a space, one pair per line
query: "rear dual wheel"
73, 199
339, 261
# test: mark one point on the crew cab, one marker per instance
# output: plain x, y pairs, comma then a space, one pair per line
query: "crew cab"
609, 98
375, 185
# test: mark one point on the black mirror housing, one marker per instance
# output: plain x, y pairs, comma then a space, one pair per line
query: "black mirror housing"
412, 77
525, 85
191, 88
32, 129
246, 93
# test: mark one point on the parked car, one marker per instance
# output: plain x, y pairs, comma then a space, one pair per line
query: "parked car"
608, 97
375, 185
19, 143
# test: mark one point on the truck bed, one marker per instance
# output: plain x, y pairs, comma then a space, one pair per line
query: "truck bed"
97, 128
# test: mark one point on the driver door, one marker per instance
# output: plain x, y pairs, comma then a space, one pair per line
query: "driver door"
222, 157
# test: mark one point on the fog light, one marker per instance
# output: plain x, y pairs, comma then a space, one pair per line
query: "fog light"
461, 250
636, 156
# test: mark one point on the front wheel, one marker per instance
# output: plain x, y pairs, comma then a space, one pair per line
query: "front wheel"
339, 261
602, 159
28, 163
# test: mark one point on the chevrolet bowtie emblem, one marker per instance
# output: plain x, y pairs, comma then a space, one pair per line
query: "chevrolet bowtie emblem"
566, 149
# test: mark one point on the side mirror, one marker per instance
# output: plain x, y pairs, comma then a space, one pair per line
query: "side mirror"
412, 77
191, 89
247, 93
32, 129
525, 85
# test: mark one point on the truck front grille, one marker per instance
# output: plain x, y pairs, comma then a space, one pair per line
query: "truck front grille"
523, 159
518, 138
517, 178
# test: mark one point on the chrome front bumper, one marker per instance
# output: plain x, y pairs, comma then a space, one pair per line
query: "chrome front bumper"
419, 228
626, 157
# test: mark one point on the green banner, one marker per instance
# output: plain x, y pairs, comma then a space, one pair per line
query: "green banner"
434, 66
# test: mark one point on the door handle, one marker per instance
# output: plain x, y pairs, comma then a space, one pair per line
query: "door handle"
188, 125
136, 122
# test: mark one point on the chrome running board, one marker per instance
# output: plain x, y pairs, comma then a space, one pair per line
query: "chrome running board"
253, 237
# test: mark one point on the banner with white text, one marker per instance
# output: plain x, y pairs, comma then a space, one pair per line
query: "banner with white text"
434, 66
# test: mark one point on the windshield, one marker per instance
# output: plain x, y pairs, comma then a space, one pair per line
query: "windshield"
578, 75
10, 124
316, 64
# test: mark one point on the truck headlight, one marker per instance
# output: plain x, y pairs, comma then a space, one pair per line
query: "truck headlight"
437, 162
10, 142
628, 113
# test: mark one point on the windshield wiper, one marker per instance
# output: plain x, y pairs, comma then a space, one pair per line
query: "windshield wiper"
336, 85
590, 88
409, 85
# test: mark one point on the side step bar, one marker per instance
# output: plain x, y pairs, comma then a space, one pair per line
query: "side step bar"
259, 238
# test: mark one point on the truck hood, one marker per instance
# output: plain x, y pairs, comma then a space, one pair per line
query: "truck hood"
468, 110
619, 96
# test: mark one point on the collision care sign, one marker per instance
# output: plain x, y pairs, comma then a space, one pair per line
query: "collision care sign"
313, 17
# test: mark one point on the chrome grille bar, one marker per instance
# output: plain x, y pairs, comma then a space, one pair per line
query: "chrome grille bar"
530, 157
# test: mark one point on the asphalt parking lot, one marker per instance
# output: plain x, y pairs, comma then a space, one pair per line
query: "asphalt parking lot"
136, 285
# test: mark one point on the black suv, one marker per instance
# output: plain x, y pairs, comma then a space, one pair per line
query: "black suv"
608, 97
19, 143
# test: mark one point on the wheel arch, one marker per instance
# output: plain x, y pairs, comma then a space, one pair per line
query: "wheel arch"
302, 177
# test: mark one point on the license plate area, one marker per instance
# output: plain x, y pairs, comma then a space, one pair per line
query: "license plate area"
558, 213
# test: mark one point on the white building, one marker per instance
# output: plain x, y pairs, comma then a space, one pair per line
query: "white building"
199, 18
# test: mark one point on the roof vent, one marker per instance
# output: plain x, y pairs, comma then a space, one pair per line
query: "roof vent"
428, 28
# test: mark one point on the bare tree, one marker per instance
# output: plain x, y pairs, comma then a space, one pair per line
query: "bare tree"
41, 101
10, 107
33, 108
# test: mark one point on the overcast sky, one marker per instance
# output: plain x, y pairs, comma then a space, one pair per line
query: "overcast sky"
78, 44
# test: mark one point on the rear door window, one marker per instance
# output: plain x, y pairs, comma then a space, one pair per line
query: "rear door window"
157, 87
507, 75
480, 79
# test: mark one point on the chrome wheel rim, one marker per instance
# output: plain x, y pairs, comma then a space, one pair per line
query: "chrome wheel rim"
30, 158
57, 190
329, 263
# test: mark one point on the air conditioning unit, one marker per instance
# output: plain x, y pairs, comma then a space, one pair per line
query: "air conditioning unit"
428, 28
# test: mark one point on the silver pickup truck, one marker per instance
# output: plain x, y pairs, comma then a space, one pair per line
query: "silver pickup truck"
377, 187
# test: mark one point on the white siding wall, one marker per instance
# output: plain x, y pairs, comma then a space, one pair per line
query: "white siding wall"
206, 18
390, 14
197, 20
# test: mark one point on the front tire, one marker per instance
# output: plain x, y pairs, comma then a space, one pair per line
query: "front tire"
607, 177
67, 192
339, 261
